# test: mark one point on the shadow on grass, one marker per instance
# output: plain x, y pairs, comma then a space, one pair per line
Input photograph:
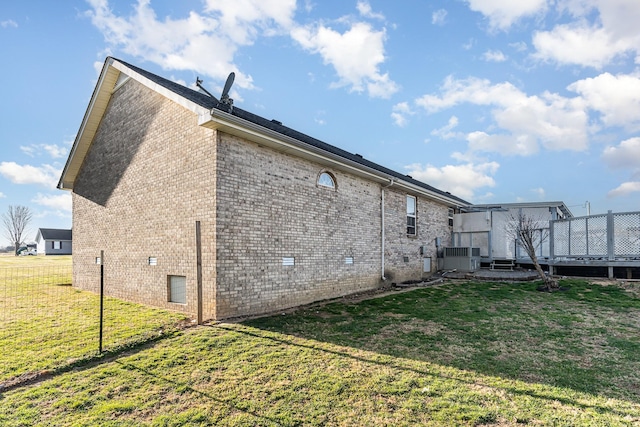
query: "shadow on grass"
89, 360
503, 384
580, 339
183, 387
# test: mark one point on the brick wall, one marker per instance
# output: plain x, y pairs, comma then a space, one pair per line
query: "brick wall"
403, 259
151, 173
148, 177
273, 208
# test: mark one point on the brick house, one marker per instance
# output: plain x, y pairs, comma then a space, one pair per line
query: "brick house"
206, 208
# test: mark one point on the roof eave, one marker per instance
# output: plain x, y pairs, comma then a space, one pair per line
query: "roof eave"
226, 122
105, 87
89, 125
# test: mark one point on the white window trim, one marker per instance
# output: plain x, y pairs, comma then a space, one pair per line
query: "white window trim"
414, 216
331, 176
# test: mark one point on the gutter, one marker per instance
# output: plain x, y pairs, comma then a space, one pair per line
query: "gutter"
257, 133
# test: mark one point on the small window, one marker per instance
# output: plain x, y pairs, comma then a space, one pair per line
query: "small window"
411, 215
288, 261
348, 260
326, 180
178, 289
451, 217
56, 244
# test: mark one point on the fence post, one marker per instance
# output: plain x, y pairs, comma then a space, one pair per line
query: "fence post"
101, 299
610, 242
199, 271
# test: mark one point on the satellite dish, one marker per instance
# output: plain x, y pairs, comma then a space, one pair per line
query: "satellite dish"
224, 98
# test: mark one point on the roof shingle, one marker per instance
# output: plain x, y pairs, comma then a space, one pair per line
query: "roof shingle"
211, 102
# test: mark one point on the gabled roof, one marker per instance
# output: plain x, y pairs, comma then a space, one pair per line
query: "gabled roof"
212, 114
53, 234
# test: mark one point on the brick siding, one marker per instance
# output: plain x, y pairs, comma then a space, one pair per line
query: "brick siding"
151, 173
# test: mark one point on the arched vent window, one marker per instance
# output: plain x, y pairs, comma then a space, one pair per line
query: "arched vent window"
327, 180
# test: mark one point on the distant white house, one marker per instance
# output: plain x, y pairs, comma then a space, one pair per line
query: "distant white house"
54, 241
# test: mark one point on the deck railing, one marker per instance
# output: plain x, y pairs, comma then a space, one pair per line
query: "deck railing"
610, 237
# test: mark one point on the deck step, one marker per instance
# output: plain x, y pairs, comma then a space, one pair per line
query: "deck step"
502, 264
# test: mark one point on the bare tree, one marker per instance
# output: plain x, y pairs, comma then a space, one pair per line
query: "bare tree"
530, 233
15, 222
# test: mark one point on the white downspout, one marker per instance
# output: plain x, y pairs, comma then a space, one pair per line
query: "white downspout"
382, 226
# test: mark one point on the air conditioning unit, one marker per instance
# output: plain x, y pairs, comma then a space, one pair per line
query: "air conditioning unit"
461, 259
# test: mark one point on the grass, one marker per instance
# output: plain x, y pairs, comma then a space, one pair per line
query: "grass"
39, 261
47, 325
456, 354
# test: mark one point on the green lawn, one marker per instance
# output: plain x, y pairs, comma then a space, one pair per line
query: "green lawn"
10, 260
455, 354
47, 325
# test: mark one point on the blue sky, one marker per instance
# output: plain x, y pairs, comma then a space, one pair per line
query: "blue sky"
496, 101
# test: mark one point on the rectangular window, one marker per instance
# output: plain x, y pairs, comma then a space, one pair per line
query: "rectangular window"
348, 260
411, 215
56, 244
178, 289
451, 217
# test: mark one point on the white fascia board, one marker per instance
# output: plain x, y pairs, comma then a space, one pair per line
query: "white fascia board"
89, 125
105, 87
216, 119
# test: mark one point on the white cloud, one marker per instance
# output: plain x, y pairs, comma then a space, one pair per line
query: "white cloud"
503, 13
619, 17
625, 155
556, 122
320, 117
244, 18
400, 112
9, 23
207, 41
625, 189
469, 44
601, 31
472, 90
579, 44
2, 195
438, 17
617, 98
29, 150
494, 56
364, 8
460, 180
60, 202
46, 175
507, 145
445, 132
355, 55
539, 192
308, 6
204, 42
54, 151
518, 46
